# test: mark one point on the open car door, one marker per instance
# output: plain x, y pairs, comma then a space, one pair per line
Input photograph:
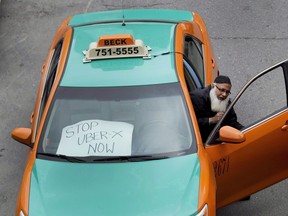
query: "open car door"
257, 157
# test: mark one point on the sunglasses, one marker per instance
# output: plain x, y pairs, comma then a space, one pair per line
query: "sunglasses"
223, 90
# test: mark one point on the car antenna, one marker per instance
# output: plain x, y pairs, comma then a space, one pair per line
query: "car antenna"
123, 18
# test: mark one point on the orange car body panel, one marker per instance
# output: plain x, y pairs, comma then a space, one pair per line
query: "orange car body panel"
252, 165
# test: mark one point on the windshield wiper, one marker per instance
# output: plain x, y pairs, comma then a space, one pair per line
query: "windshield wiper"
135, 158
65, 157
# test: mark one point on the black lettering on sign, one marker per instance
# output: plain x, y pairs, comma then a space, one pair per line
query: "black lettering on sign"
123, 41
89, 137
101, 148
117, 134
80, 128
106, 42
114, 42
221, 166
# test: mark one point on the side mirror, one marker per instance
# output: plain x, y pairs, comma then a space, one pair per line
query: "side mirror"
230, 134
22, 135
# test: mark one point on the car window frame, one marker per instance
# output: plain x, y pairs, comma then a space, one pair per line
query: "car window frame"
200, 51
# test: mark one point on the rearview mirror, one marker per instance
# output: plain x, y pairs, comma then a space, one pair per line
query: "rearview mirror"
22, 135
230, 134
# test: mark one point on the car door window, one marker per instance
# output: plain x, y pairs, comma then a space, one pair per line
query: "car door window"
265, 97
51, 73
194, 53
49, 80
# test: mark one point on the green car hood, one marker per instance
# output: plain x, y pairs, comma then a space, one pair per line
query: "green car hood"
158, 187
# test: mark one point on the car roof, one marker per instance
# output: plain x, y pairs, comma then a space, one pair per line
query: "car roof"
156, 28
166, 15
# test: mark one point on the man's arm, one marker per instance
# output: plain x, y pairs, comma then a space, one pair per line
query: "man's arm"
232, 120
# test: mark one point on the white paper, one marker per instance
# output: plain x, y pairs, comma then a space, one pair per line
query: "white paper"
96, 138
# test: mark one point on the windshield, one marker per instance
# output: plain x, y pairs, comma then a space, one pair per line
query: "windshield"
118, 121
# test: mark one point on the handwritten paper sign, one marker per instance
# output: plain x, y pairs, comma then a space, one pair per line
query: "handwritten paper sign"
96, 138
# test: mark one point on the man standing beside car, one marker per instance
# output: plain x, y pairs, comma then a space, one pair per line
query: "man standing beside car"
210, 104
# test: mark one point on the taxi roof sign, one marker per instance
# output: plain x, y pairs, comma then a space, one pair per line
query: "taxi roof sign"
116, 46
115, 40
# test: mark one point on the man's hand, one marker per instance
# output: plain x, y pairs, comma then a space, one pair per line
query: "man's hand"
216, 118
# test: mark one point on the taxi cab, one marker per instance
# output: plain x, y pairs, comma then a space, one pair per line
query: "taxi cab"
114, 132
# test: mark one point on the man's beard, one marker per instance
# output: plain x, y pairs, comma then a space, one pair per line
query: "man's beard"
216, 104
